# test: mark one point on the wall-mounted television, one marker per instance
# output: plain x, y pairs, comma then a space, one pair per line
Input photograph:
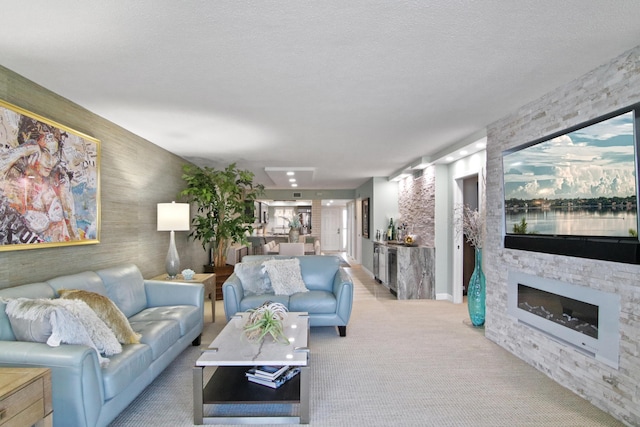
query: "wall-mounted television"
575, 192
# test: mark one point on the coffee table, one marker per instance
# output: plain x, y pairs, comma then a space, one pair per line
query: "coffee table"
231, 354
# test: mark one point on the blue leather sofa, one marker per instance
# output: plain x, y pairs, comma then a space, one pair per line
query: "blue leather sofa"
328, 302
169, 316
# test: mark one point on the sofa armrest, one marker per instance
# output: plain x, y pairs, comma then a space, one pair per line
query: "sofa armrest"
232, 294
76, 379
160, 293
343, 290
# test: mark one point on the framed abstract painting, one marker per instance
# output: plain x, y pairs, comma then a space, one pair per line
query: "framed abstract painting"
49, 183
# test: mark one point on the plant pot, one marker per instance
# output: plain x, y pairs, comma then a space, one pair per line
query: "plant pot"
294, 235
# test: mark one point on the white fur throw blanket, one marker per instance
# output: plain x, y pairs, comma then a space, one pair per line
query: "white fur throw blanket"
56, 321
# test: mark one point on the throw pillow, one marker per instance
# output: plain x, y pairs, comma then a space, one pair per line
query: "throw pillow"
254, 281
285, 276
107, 311
56, 321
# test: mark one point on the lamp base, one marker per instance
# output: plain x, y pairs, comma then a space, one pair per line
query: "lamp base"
172, 263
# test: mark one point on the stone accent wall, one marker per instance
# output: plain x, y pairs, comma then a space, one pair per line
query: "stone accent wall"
611, 86
135, 175
417, 205
316, 218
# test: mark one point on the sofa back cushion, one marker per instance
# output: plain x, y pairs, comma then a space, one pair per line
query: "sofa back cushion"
87, 281
32, 290
125, 287
318, 271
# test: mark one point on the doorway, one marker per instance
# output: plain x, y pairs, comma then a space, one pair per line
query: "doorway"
470, 191
333, 228
467, 190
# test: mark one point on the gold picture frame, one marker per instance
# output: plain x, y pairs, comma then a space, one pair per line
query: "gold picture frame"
49, 183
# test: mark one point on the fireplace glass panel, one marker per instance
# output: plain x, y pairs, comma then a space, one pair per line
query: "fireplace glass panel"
573, 314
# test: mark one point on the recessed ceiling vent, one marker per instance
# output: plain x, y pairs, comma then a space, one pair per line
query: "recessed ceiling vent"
297, 195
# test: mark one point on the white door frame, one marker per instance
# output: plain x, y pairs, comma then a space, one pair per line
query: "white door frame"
458, 240
352, 241
458, 243
357, 231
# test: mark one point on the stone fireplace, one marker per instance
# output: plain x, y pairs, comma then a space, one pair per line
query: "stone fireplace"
583, 318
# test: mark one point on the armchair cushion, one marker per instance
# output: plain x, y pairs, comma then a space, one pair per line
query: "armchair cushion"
319, 302
285, 276
255, 280
257, 300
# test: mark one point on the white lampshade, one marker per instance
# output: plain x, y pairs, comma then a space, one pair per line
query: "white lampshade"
173, 216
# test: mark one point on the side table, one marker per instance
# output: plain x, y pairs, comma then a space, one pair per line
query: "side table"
25, 397
207, 279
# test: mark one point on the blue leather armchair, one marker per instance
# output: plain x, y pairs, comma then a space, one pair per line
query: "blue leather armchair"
328, 302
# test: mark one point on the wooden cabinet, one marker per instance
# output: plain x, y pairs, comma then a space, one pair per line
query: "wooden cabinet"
25, 397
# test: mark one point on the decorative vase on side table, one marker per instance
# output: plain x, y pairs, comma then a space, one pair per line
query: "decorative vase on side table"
476, 292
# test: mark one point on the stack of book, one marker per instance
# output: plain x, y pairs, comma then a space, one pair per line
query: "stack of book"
272, 376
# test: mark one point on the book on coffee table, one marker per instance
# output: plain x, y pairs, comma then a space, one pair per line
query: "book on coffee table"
268, 372
289, 373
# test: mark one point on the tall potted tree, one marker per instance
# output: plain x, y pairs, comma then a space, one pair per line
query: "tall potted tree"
224, 200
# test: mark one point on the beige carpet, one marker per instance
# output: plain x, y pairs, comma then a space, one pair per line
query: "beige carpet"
403, 363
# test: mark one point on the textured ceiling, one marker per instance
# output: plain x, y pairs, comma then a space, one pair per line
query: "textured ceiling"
352, 89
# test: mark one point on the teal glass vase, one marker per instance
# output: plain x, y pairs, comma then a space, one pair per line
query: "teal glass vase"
476, 292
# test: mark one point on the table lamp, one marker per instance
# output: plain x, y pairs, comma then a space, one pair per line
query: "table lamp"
173, 217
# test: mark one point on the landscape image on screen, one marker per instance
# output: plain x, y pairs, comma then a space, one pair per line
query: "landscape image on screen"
582, 183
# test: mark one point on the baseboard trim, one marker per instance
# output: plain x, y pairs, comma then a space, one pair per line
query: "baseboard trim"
444, 297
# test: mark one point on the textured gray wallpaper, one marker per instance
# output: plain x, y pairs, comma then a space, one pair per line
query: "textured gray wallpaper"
135, 176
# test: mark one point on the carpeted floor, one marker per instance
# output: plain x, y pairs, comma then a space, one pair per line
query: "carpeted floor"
403, 363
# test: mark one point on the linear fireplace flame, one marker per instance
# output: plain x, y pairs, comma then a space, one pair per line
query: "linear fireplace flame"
568, 312
585, 318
